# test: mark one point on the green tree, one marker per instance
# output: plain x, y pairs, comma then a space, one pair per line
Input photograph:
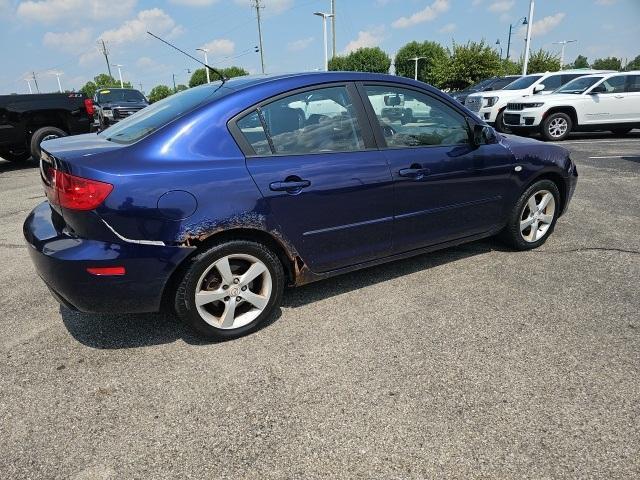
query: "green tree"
543, 61
580, 62
102, 80
435, 57
367, 59
609, 63
181, 87
509, 67
633, 64
469, 63
234, 71
159, 92
199, 76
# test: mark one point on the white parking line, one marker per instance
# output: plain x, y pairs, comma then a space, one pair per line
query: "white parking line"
618, 156
578, 142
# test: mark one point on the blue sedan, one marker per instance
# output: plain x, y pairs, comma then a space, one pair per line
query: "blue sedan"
211, 201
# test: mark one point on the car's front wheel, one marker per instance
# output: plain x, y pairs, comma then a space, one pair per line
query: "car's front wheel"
230, 289
500, 125
557, 126
534, 216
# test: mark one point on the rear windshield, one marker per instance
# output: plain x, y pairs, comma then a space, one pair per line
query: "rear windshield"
524, 82
579, 85
158, 114
109, 96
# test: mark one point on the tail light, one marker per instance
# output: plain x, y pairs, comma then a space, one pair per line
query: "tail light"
75, 193
88, 104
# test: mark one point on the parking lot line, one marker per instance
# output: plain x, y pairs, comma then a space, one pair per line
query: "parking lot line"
618, 156
587, 141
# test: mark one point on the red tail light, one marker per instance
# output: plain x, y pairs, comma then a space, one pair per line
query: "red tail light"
88, 104
106, 271
76, 193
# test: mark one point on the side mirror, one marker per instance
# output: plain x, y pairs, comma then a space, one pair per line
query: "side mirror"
598, 89
488, 89
482, 135
538, 88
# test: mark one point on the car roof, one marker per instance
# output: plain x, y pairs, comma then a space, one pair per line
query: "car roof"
607, 74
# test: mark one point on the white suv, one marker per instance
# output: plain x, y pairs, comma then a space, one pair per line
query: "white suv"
489, 106
594, 102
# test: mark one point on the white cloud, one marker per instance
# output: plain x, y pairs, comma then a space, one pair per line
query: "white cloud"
425, 15
545, 25
148, 64
298, 45
475, 3
366, 38
71, 42
270, 6
154, 20
219, 46
194, 3
605, 2
5, 6
448, 28
501, 6
51, 11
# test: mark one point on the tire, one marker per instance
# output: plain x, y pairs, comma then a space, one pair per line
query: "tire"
500, 125
556, 127
16, 156
204, 276
44, 133
621, 131
523, 212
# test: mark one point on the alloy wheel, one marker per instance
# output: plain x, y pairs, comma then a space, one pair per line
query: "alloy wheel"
537, 216
558, 127
233, 291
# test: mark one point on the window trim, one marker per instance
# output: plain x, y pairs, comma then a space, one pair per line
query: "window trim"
361, 116
375, 123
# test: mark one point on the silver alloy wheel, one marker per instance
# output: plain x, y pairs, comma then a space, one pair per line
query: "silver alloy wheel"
558, 127
233, 291
537, 216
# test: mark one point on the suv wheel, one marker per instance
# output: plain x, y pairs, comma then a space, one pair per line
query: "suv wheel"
557, 126
500, 125
42, 134
230, 289
15, 156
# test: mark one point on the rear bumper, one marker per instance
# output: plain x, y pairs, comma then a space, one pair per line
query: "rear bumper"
62, 260
571, 182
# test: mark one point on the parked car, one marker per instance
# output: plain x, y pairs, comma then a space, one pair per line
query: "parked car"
114, 104
593, 102
490, 106
213, 200
27, 120
487, 85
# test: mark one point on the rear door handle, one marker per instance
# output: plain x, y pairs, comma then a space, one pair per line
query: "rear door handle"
414, 172
289, 186
619, 96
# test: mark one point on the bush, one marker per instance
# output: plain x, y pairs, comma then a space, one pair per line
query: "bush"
372, 60
159, 92
436, 57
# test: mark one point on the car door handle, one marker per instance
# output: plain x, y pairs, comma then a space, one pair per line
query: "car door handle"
289, 185
414, 172
619, 96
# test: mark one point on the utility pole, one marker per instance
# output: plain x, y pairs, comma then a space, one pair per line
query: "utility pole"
415, 71
119, 73
528, 40
174, 83
105, 52
333, 26
258, 5
35, 80
206, 62
564, 44
324, 36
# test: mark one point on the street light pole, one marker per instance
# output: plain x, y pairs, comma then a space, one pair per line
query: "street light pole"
500, 46
564, 44
525, 64
524, 22
324, 35
415, 69
119, 73
333, 26
29, 83
206, 62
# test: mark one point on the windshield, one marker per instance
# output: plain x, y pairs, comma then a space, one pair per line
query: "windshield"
524, 82
579, 85
110, 96
480, 86
159, 114
502, 82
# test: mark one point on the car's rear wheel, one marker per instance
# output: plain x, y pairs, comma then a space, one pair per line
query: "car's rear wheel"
621, 131
230, 289
42, 134
557, 126
16, 156
534, 216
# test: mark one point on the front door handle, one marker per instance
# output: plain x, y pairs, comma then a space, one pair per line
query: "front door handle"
619, 96
289, 185
414, 171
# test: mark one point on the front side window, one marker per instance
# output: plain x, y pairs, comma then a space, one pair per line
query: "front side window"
552, 83
412, 119
612, 85
524, 82
315, 121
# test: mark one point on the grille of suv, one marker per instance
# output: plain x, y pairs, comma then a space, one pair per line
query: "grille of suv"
473, 103
125, 112
515, 106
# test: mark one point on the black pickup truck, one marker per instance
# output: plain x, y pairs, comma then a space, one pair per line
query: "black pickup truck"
28, 120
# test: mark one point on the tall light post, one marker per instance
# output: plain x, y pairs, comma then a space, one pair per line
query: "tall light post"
206, 62
499, 46
415, 66
28, 80
119, 73
57, 74
333, 27
564, 44
324, 35
525, 64
524, 22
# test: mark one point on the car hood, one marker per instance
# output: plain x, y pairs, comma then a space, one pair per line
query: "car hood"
553, 97
502, 94
527, 148
124, 104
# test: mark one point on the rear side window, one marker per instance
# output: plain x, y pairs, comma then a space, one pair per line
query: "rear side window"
633, 83
552, 83
252, 130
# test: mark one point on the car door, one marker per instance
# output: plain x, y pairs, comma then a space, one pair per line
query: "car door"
607, 102
313, 157
632, 99
445, 188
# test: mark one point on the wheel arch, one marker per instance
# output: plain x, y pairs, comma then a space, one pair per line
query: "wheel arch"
559, 182
568, 110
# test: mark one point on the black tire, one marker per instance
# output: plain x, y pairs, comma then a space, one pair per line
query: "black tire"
185, 293
549, 128
500, 125
621, 131
512, 235
39, 135
16, 156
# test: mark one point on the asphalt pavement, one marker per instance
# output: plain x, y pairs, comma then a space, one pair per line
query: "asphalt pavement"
472, 362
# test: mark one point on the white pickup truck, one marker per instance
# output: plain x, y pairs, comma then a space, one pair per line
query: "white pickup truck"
608, 102
489, 106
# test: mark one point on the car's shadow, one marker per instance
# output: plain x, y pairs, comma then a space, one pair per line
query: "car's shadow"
7, 166
130, 331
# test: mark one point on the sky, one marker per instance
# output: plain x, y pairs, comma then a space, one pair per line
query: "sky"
47, 36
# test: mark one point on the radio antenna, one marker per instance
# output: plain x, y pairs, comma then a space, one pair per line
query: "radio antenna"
217, 72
